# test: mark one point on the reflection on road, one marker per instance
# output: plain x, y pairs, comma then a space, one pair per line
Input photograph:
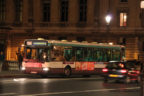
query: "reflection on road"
65, 87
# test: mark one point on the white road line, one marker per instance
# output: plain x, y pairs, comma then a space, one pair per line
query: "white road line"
70, 92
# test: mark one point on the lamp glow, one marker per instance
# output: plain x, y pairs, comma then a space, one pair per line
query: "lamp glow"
108, 19
142, 4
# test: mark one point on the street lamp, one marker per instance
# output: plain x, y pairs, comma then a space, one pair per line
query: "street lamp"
142, 12
108, 20
142, 4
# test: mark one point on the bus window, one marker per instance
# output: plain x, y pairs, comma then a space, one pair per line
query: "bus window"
104, 55
95, 57
116, 55
57, 53
79, 54
107, 55
123, 54
100, 54
43, 54
88, 54
30, 53
68, 54
37, 53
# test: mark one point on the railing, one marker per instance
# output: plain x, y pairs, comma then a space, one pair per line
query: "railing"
10, 65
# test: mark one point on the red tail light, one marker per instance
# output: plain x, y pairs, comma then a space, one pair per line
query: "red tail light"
105, 70
123, 71
138, 72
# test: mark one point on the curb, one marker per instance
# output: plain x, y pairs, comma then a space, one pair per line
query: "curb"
13, 76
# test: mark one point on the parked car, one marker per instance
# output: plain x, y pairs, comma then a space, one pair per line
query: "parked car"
121, 71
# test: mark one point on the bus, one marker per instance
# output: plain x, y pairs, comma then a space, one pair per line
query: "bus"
45, 57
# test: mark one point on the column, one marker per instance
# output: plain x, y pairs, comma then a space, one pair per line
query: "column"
38, 11
25, 11
9, 11
55, 11
90, 11
73, 12
97, 12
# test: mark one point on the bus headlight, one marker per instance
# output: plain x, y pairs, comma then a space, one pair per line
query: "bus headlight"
45, 69
23, 68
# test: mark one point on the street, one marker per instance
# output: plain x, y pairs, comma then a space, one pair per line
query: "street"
57, 86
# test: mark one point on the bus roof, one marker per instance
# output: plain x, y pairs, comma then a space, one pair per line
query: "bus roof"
73, 44
84, 44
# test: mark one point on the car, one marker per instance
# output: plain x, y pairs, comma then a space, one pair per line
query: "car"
121, 71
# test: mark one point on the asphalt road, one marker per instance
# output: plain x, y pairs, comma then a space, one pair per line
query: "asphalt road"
57, 86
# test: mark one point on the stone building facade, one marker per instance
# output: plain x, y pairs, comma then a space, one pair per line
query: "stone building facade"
82, 20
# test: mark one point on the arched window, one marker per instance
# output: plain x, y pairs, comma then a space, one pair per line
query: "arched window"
46, 10
64, 10
18, 10
82, 10
2, 11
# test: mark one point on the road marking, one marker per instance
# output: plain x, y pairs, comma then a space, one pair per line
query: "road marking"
71, 92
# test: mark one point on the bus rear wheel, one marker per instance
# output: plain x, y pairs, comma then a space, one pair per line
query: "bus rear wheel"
67, 72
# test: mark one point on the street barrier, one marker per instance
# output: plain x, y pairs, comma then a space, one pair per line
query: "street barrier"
10, 66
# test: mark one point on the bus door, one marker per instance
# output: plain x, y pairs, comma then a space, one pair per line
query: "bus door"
35, 57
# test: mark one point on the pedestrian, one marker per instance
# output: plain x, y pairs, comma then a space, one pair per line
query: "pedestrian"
2, 59
20, 59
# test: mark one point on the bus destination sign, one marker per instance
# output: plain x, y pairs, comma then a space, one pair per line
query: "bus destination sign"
42, 43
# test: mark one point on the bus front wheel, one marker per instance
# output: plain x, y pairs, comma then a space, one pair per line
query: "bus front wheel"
67, 72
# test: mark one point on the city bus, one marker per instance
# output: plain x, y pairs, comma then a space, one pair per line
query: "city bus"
45, 57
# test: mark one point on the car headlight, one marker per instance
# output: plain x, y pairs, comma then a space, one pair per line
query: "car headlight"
45, 69
23, 68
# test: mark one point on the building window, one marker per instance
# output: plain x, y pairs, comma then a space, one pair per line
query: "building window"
64, 10
46, 10
123, 0
18, 10
83, 10
2, 11
123, 19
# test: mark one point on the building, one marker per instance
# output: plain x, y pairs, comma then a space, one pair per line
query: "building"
82, 20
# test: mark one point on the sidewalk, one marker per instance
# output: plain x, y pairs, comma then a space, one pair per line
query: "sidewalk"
12, 74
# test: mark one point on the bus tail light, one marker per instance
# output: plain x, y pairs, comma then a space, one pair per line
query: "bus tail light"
105, 70
138, 72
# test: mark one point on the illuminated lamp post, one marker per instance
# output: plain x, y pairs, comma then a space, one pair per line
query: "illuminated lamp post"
142, 69
142, 12
108, 20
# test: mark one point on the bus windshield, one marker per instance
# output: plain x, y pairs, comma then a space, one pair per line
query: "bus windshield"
41, 54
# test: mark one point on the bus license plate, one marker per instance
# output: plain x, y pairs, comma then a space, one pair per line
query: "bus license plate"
112, 75
33, 72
